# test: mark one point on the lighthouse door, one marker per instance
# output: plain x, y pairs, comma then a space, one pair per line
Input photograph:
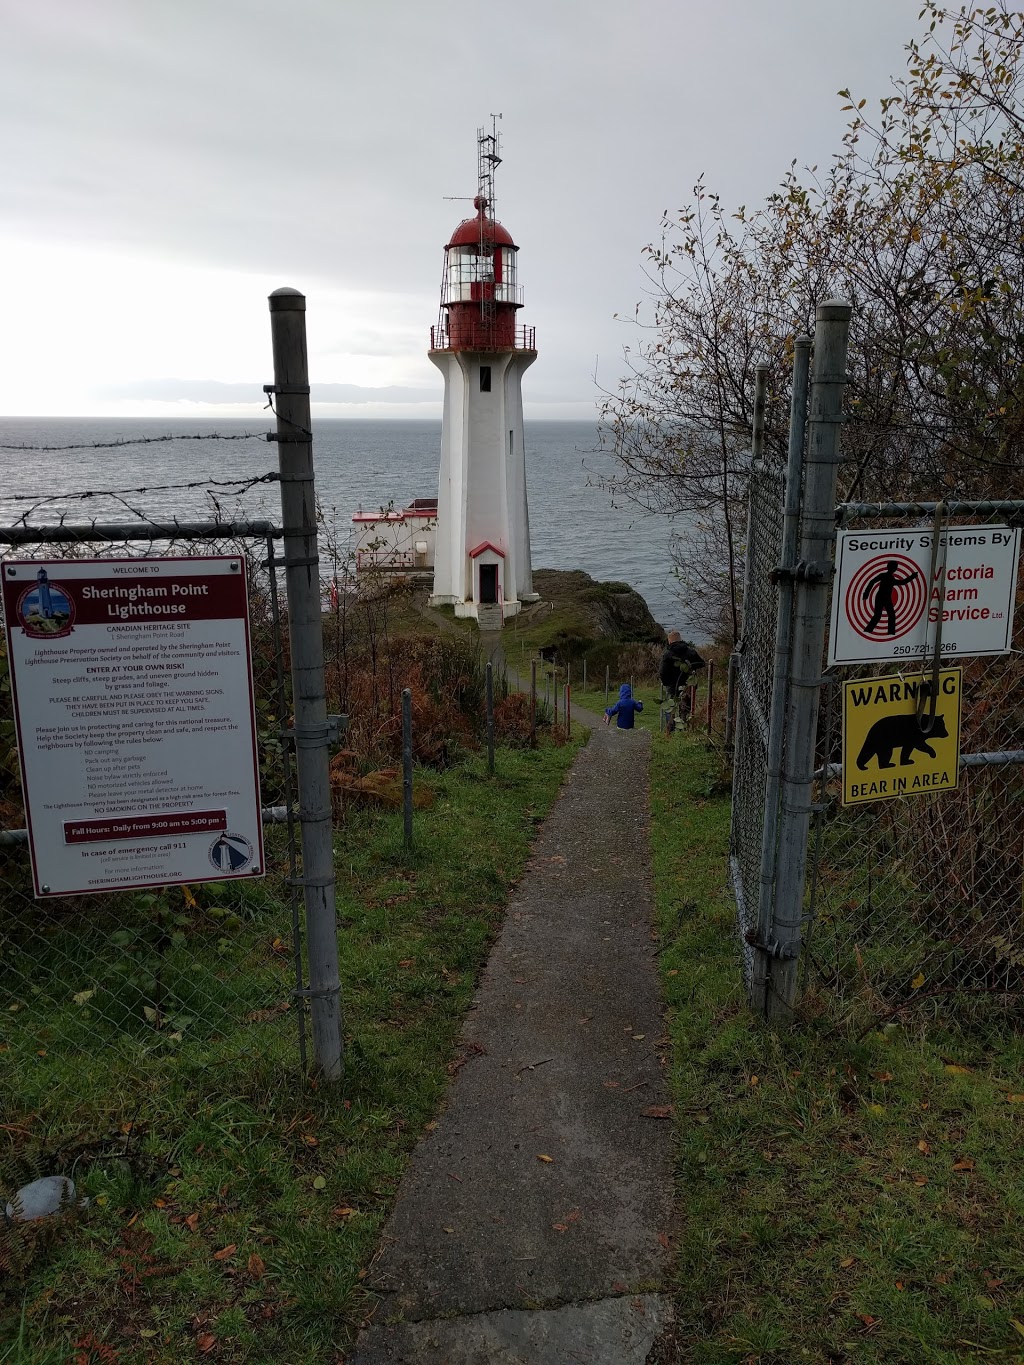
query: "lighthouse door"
488, 582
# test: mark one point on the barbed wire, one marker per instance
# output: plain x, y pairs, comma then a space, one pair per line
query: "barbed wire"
237, 488
242, 485
144, 441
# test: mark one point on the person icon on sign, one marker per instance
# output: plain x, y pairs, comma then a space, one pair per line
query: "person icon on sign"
885, 584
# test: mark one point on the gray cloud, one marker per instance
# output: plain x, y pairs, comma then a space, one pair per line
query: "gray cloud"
314, 140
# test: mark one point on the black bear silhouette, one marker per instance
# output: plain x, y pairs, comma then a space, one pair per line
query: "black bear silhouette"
899, 732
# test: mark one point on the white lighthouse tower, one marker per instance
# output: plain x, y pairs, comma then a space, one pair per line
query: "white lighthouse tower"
482, 547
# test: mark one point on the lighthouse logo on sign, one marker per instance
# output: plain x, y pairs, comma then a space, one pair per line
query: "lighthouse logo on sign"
886, 597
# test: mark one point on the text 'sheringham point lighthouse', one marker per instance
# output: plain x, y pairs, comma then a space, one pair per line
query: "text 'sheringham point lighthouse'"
482, 550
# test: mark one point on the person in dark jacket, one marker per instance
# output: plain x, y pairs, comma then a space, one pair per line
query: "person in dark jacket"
624, 709
679, 661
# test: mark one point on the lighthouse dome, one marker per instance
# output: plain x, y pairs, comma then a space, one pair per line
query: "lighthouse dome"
468, 231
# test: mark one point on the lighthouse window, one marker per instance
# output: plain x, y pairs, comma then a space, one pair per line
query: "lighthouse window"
485, 378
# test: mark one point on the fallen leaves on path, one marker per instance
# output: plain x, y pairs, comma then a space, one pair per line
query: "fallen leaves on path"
658, 1111
542, 1156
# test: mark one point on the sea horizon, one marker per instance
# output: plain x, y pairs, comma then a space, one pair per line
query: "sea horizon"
578, 520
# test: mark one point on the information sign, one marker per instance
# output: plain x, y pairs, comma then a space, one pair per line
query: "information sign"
887, 751
132, 685
884, 607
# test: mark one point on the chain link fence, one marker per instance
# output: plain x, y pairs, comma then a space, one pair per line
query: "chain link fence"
104, 990
917, 898
922, 896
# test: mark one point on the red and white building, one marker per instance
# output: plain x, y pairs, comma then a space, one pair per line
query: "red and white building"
397, 541
475, 536
482, 553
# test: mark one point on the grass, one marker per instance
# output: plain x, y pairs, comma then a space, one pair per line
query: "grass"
234, 1208
841, 1199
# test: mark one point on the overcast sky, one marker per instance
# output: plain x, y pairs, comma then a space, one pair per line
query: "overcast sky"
167, 163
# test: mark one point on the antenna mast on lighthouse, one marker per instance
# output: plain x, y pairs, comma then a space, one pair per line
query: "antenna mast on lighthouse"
488, 159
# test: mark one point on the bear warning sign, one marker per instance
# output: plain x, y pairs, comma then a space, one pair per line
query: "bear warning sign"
898, 738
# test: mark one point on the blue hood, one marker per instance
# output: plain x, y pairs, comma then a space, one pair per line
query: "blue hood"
625, 692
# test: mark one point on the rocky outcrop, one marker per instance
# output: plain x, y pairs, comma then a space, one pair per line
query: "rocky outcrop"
577, 613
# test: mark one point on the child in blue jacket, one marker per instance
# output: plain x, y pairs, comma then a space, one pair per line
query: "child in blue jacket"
624, 709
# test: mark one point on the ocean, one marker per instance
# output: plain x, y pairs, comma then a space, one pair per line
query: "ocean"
360, 465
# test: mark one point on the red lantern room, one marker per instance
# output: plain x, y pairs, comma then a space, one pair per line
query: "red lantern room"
479, 292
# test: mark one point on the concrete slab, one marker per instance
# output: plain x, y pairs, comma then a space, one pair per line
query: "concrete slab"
545, 1181
613, 1332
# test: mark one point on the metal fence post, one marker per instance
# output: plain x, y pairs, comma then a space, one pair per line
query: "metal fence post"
780, 675
533, 703
730, 700
761, 373
302, 579
828, 381
490, 718
711, 688
606, 672
407, 764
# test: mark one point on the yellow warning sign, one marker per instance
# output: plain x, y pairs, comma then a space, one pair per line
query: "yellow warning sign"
888, 749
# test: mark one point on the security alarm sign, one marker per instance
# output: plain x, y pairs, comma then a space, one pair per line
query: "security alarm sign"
888, 603
132, 686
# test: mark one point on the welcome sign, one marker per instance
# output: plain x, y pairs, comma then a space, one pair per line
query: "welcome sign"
132, 684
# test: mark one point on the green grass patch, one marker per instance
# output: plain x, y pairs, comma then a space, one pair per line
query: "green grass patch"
235, 1206
841, 1198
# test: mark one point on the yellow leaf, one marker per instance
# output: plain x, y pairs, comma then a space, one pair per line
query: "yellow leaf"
542, 1157
956, 1070
918, 981
1015, 1099
847, 1261
1017, 1325
190, 900
83, 998
922, 1146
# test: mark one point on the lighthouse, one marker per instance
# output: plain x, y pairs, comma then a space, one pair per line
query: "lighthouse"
482, 545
